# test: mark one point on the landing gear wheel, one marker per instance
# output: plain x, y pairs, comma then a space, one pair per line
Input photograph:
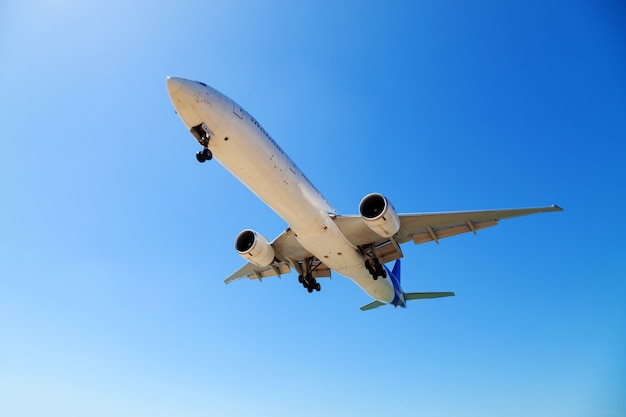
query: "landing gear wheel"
375, 268
309, 282
204, 155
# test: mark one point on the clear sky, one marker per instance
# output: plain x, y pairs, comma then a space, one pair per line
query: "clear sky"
114, 241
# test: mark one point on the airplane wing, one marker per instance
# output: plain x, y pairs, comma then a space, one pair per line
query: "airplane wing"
427, 227
420, 227
289, 254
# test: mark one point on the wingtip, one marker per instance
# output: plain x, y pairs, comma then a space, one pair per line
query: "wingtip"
557, 208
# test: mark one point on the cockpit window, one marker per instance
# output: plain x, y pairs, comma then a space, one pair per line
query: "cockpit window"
201, 83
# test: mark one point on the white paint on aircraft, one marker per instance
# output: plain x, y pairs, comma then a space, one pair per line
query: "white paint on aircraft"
318, 239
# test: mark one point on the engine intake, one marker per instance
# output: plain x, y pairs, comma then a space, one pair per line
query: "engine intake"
254, 248
379, 215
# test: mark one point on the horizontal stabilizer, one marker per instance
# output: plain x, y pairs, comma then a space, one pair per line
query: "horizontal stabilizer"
409, 296
373, 304
421, 295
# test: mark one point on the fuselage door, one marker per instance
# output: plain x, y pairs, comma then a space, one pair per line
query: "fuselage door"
237, 110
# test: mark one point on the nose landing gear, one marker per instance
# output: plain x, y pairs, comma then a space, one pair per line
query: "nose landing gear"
204, 155
203, 135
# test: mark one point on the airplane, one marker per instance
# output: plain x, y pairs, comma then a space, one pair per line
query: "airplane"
318, 239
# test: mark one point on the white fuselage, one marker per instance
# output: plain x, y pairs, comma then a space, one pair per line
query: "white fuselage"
248, 152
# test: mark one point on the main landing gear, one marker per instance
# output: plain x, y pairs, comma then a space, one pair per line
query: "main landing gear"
306, 277
204, 155
372, 264
309, 282
374, 267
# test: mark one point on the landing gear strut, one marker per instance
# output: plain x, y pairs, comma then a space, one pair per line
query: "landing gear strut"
372, 264
309, 282
306, 277
203, 135
204, 155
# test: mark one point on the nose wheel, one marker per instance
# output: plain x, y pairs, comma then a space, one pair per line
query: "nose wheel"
204, 155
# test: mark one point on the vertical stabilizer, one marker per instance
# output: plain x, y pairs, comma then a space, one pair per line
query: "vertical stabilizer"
396, 270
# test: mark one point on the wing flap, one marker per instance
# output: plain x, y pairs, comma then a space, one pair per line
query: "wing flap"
435, 234
252, 271
388, 252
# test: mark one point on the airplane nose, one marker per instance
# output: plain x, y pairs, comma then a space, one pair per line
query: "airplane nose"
193, 98
174, 84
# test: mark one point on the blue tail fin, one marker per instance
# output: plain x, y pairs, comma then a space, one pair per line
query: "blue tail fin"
396, 270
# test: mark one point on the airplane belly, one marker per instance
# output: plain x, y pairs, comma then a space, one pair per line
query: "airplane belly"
331, 247
381, 289
267, 175
251, 155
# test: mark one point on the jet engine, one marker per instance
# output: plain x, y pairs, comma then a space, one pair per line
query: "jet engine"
379, 215
254, 248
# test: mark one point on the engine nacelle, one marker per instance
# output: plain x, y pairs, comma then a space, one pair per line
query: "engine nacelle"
254, 248
379, 215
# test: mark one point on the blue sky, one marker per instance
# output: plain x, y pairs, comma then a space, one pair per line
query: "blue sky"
114, 241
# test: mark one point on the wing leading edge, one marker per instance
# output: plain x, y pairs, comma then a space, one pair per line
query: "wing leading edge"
429, 227
418, 227
289, 254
